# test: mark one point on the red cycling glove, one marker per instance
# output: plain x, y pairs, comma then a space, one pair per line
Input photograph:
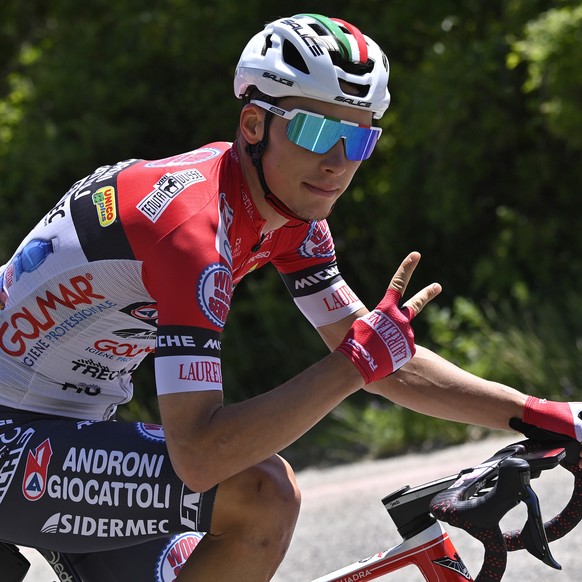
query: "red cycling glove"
381, 341
560, 417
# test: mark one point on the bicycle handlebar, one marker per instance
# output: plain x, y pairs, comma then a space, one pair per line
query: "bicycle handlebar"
562, 523
481, 496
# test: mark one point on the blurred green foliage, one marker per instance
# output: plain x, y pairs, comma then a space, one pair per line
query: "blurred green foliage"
478, 166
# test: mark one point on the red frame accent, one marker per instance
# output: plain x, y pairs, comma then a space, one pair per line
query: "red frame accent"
421, 552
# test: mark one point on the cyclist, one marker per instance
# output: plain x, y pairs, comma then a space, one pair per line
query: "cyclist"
142, 256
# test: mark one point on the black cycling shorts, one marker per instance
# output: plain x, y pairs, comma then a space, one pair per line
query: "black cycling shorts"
74, 486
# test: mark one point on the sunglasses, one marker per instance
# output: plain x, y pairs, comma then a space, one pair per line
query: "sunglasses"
318, 133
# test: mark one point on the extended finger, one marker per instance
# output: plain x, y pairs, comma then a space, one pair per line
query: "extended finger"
404, 272
417, 303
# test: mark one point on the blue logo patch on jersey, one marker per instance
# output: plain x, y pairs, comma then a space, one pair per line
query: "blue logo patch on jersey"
318, 243
215, 292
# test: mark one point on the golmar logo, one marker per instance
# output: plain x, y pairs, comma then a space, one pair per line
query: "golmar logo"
29, 323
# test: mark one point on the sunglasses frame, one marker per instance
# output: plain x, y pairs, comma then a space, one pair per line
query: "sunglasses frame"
290, 116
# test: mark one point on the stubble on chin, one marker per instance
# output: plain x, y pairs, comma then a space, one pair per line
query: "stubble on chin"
315, 214
311, 217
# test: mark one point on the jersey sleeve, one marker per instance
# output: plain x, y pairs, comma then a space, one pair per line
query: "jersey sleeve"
193, 288
312, 277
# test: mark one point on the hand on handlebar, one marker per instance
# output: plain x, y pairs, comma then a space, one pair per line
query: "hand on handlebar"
560, 417
557, 418
382, 341
563, 418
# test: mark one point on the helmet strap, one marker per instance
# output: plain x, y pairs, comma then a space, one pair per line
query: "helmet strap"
256, 151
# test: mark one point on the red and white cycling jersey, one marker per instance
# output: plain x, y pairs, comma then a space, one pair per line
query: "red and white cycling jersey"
141, 257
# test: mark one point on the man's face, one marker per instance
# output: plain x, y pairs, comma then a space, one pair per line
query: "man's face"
307, 182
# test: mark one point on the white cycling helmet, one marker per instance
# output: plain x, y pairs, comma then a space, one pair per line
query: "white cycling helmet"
307, 55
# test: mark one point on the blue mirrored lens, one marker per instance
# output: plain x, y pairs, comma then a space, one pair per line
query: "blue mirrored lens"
320, 134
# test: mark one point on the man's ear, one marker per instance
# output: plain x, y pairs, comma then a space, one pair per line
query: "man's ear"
251, 123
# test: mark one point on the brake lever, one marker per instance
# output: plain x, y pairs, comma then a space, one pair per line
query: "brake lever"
533, 534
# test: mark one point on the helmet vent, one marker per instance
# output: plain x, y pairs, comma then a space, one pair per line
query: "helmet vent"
350, 66
319, 30
268, 44
354, 88
385, 61
293, 57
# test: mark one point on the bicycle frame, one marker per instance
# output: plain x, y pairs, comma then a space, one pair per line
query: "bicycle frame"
431, 551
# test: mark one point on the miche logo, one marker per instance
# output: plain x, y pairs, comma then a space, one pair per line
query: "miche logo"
34, 481
169, 341
213, 344
25, 324
318, 277
455, 564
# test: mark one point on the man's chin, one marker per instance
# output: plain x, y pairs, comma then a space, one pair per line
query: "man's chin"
315, 214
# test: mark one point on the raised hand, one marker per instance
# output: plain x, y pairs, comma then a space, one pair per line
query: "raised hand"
382, 341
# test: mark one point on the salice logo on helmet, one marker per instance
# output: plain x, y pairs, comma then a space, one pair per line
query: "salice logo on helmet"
174, 556
278, 79
353, 101
318, 242
306, 35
